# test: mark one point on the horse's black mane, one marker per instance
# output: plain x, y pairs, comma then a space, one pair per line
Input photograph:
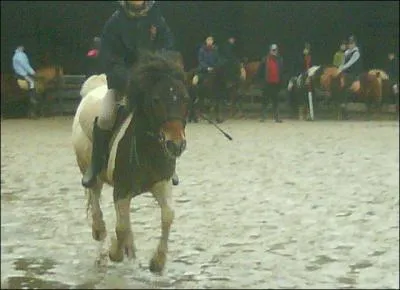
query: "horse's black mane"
148, 70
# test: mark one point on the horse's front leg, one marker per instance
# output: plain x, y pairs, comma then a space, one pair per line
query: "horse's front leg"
98, 225
162, 192
123, 230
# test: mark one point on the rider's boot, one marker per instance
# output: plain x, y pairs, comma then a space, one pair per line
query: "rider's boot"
99, 154
33, 104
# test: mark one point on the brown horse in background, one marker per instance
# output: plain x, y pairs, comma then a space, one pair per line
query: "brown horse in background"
367, 89
14, 93
251, 81
49, 77
251, 68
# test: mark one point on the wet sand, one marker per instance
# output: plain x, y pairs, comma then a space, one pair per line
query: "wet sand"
297, 204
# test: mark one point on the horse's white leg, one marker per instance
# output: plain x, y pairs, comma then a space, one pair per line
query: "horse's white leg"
123, 230
162, 192
98, 225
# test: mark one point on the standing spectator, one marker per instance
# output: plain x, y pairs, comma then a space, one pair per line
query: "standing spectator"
271, 72
392, 68
229, 50
338, 58
233, 69
307, 59
92, 57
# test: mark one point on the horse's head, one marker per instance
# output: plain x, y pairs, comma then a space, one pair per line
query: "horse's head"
158, 86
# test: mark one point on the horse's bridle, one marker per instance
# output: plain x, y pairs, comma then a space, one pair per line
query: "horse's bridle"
154, 130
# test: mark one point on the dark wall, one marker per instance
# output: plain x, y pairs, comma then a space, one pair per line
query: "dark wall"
65, 28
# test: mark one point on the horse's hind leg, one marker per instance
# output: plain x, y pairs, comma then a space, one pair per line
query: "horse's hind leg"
162, 192
123, 230
98, 225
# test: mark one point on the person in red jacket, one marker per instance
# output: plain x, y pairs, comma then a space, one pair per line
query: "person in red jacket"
271, 72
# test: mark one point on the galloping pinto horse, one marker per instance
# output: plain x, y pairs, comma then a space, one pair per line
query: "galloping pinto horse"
148, 137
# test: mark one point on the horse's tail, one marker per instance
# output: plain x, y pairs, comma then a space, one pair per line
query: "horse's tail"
91, 83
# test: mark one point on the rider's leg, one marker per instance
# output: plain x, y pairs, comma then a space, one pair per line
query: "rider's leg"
101, 134
33, 100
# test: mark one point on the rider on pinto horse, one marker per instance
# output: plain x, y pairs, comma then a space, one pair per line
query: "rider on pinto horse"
125, 34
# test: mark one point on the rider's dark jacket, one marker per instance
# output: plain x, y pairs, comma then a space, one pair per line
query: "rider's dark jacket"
208, 57
124, 36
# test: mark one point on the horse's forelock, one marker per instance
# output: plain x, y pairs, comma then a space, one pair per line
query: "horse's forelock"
149, 70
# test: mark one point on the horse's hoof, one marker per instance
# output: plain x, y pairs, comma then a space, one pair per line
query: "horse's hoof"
157, 265
175, 180
116, 254
99, 233
130, 252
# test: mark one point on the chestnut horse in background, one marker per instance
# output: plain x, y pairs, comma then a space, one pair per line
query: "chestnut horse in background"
14, 93
367, 88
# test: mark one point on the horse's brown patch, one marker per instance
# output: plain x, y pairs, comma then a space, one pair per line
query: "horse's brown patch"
355, 86
173, 130
328, 75
48, 77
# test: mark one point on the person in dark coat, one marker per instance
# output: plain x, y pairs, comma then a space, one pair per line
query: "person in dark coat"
392, 66
392, 69
229, 50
